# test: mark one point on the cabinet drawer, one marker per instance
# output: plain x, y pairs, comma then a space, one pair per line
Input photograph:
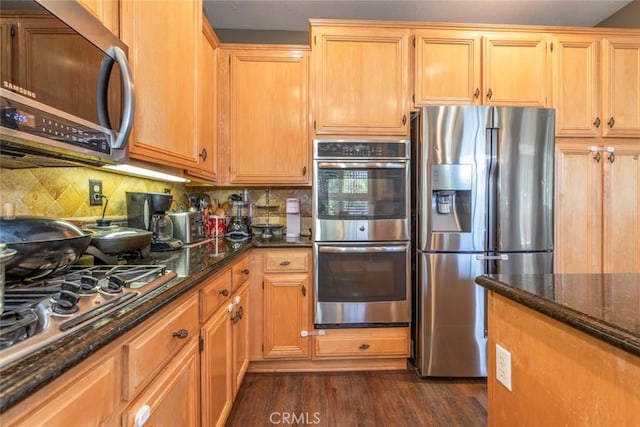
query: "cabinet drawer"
214, 293
240, 273
163, 336
375, 342
283, 261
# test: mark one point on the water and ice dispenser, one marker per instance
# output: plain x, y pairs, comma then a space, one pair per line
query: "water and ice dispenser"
451, 197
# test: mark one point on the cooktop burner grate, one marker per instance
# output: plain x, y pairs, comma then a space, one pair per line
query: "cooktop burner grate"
40, 311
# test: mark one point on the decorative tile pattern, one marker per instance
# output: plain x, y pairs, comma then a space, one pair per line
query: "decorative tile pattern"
64, 193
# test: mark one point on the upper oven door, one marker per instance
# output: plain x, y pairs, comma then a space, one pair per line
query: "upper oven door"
361, 200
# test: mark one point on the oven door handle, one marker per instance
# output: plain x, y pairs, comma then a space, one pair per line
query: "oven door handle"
361, 250
362, 165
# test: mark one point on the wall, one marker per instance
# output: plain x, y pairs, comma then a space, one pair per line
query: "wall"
627, 17
64, 193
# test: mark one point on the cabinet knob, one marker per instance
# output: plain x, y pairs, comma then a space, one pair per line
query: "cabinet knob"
404, 119
283, 263
611, 122
304, 291
181, 334
364, 346
476, 94
596, 123
245, 271
304, 171
612, 155
489, 93
224, 293
203, 154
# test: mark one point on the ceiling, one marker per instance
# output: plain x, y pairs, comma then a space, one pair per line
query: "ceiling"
293, 15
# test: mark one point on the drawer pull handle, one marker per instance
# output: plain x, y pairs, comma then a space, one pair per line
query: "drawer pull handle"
364, 346
283, 263
245, 271
224, 293
181, 334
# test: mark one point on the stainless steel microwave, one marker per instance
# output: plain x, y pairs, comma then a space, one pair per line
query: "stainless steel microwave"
66, 92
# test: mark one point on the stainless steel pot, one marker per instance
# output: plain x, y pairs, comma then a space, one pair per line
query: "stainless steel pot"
43, 245
5, 256
112, 239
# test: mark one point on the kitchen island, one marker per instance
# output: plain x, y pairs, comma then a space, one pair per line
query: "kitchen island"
574, 345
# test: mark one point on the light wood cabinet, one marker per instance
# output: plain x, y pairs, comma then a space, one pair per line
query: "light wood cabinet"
107, 11
621, 85
516, 69
163, 39
597, 207
173, 399
360, 80
224, 336
362, 343
448, 67
282, 287
216, 367
87, 396
576, 85
207, 108
596, 83
156, 344
471, 67
240, 334
264, 115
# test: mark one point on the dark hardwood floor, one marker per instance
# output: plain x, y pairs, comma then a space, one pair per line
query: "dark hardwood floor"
393, 399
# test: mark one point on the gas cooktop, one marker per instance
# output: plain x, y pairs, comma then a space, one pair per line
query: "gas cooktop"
37, 313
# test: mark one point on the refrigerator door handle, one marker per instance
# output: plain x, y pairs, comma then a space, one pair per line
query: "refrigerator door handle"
501, 257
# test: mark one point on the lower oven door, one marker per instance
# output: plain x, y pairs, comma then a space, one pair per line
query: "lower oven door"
362, 284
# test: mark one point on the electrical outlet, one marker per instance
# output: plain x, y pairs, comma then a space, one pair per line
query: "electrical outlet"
95, 192
503, 366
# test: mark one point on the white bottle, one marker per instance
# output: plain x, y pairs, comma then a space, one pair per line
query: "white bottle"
293, 218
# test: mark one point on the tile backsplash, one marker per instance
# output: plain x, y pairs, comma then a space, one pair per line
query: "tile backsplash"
64, 193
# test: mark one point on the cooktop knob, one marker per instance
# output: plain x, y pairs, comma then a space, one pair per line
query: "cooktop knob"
88, 284
114, 285
66, 302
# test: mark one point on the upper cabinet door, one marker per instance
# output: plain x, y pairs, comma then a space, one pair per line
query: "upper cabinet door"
516, 69
621, 86
207, 110
163, 39
267, 116
448, 67
576, 83
360, 80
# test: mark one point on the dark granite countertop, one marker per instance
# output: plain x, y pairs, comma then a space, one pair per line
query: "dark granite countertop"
192, 263
605, 306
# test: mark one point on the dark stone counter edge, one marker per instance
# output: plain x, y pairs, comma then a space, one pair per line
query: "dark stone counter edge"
23, 377
587, 324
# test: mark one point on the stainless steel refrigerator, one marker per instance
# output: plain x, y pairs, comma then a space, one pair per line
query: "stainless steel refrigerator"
483, 188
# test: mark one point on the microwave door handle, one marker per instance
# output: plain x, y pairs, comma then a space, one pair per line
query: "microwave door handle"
361, 250
127, 82
361, 165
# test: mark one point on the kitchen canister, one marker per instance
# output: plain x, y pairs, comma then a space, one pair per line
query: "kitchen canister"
217, 225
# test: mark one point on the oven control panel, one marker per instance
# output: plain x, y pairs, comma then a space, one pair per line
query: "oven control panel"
361, 149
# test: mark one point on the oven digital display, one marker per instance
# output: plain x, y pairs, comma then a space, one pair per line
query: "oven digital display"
18, 117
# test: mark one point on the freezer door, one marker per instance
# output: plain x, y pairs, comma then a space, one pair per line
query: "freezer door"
523, 206
450, 325
518, 263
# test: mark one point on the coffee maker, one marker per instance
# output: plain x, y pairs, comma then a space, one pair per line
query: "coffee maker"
149, 212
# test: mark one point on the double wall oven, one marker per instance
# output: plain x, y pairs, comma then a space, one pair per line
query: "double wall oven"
361, 206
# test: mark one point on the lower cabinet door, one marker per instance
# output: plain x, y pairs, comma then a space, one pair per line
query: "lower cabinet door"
173, 398
216, 367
